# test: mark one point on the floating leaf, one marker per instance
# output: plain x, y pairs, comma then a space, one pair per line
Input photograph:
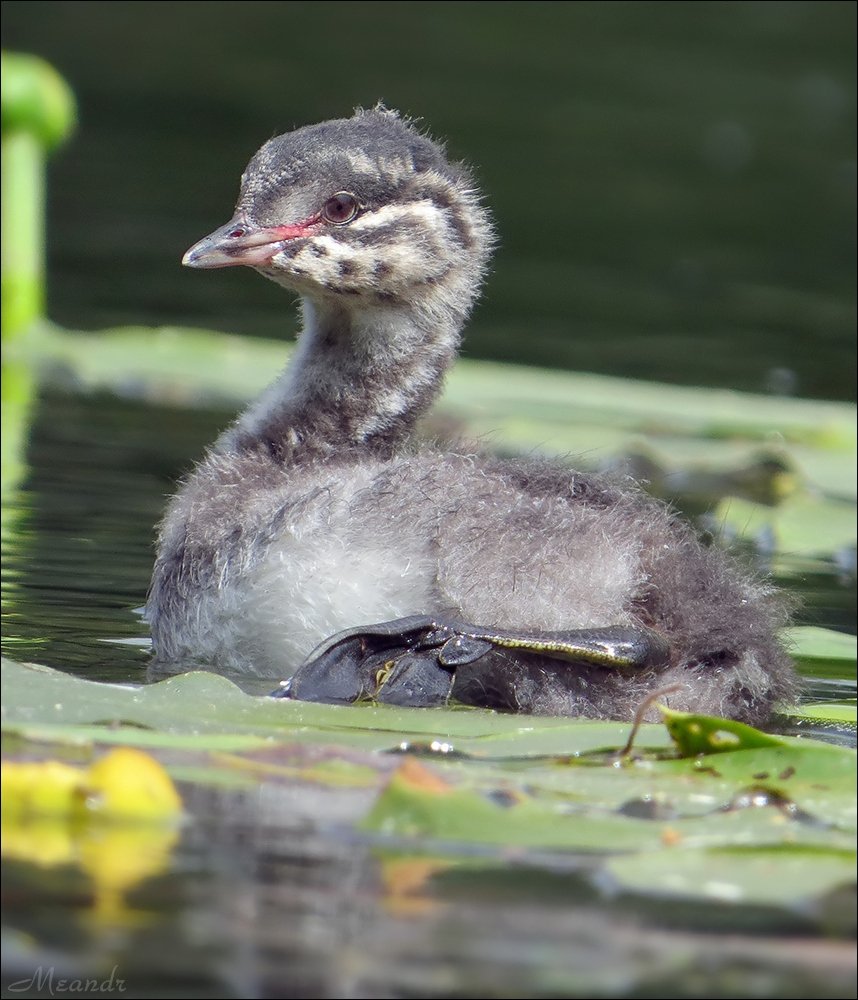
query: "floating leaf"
407, 809
822, 652
704, 734
498, 783
829, 711
805, 524
729, 875
203, 710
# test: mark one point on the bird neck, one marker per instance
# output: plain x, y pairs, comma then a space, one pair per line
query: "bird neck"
357, 382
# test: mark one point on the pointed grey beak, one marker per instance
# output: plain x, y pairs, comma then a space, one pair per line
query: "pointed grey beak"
240, 242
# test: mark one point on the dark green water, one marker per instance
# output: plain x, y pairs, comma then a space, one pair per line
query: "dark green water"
673, 183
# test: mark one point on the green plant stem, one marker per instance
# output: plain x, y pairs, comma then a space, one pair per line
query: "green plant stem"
18, 393
22, 230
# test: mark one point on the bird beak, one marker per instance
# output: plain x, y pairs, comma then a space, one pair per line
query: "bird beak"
241, 242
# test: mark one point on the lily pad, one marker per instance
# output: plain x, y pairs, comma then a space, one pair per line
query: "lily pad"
821, 652
703, 734
797, 878
475, 780
202, 710
830, 711
803, 525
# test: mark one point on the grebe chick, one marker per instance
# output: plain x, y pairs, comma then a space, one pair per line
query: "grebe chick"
517, 584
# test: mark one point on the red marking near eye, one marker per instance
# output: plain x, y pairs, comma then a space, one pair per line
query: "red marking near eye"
306, 227
243, 243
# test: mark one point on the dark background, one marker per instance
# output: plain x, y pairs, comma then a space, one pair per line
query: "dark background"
673, 183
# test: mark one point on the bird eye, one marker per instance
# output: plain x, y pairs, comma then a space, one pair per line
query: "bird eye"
340, 209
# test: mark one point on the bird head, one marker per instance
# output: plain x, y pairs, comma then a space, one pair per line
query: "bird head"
365, 210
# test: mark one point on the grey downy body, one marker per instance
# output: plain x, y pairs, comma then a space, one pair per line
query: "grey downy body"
316, 512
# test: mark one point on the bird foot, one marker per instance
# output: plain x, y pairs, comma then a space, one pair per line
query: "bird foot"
413, 661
